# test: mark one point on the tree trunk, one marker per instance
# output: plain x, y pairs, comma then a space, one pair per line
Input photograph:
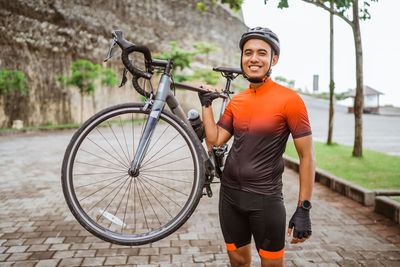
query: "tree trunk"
332, 83
81, 119
359, 99
94, 105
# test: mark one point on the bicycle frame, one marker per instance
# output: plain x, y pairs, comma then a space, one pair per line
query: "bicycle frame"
164, 96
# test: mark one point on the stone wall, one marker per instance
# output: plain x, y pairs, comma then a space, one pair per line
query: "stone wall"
42, 38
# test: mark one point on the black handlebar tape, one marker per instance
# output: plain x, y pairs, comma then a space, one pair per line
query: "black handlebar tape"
127, 48
137, 87
127, 62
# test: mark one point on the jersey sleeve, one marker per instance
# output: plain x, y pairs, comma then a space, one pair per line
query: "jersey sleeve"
226, 121
297, 117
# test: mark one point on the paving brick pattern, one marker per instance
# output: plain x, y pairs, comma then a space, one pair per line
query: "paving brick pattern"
37, 229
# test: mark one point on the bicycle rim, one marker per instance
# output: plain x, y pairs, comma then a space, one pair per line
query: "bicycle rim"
120, 208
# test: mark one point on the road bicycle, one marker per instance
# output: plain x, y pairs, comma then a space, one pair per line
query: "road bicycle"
134, 173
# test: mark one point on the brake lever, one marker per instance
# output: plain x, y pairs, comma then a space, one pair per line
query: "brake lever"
124, 79
111, 50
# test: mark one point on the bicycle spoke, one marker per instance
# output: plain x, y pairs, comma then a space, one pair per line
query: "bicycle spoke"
106, 150
101, 181
173, 189
157, 200
120, 186
134, 202
96, 165
116, 138
148, 200
162, 193
176, 149
119, 205
126, 143
97, 156
98, 173
156, 176
91, 194
148, 151
141, 204
105, 196
167, 163
168, 170
127, 201
112, 147
133, 138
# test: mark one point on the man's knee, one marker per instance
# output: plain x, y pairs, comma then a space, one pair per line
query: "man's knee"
240, 257
272, 262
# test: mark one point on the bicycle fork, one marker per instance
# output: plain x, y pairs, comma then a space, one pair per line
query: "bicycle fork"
161, 98
156, 109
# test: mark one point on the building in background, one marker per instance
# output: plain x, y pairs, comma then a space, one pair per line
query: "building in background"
371, 100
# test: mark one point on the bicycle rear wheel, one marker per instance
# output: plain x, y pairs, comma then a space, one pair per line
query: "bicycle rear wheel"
120, 208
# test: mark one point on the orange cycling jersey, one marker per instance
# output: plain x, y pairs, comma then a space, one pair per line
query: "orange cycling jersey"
261, 120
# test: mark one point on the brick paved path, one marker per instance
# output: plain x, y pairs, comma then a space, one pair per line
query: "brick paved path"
36, 228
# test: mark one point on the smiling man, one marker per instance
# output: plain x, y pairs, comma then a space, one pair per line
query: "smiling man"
261, 119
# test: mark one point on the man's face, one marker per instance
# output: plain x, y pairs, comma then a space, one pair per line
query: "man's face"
256, 58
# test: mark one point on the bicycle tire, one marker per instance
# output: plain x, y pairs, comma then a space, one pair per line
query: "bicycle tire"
95, 173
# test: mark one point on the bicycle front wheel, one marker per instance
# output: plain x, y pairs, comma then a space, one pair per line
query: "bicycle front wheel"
121, 208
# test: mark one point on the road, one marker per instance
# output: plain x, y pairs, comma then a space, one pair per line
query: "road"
37, 229
380, 132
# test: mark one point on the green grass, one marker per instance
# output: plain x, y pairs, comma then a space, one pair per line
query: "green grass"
44, 127
374, 170
69, 126
396, 198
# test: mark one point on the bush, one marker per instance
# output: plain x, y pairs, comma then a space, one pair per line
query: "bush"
83, 75
12, 80
208, 76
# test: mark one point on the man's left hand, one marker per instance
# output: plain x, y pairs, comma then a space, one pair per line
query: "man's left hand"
302, 225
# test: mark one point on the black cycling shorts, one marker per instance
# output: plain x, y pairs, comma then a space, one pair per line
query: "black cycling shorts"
243, 214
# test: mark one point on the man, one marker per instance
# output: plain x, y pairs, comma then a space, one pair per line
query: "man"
260, 119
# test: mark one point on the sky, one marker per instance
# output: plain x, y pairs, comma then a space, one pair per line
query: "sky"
303, 30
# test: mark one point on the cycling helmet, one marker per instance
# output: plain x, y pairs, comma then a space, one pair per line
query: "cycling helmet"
266, 35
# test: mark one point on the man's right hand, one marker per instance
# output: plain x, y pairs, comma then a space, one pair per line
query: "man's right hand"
206, 98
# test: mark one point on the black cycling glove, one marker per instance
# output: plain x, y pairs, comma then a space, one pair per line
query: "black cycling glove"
301, 222
206, 98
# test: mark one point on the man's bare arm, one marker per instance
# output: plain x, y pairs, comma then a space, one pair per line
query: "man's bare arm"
215, 135
305, 151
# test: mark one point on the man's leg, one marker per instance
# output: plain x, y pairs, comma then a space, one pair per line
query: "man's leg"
235, 227
240, 257
272, 262
269, 228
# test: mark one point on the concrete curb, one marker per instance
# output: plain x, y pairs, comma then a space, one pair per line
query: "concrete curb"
387, 192
383, 204
388, 207
353, 191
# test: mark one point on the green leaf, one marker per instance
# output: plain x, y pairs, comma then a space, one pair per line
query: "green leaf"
283, 4
12, 81
209, 76
84, 74
201, 6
